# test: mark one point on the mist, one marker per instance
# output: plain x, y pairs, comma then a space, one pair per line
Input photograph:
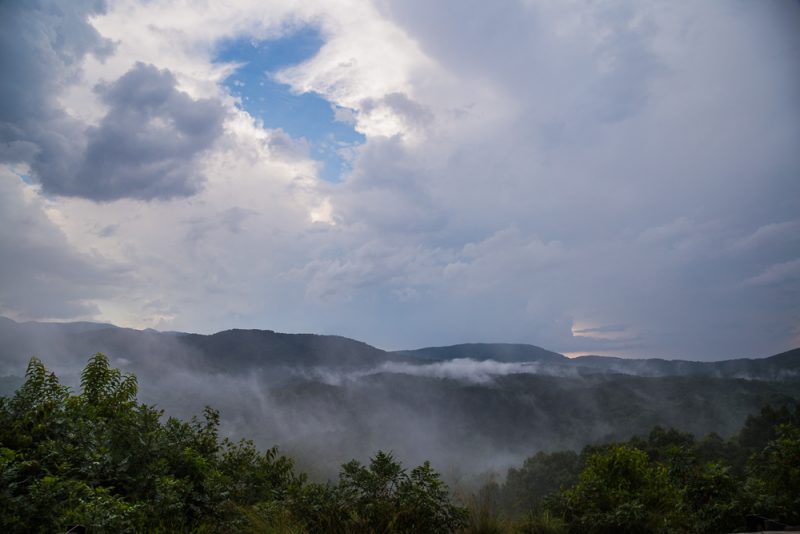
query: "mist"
468, 415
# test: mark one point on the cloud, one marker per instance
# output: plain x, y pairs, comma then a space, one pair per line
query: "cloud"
44, 44
528, 168
460, 369
147, 144
398, 114
770, 235
469, 370
42, 47
776, 274
42, 275
609, 329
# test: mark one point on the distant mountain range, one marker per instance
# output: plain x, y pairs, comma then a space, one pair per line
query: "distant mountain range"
784, 366
233, 350
468, 407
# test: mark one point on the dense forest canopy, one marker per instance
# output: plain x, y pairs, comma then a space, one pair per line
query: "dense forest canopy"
104, 460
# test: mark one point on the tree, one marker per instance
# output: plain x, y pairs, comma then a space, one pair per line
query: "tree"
541, 475
103, 460
711, 500
619, 491
773, 481
382, 497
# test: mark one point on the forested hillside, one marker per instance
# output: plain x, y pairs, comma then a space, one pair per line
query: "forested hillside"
468, 408
102, 460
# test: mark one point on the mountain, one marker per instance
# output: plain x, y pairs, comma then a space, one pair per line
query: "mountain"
469, 407
241, 349
227, 351
500, 352
784, 366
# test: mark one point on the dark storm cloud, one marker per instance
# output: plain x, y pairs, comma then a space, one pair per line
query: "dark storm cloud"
145, 147
41, 47
43, 44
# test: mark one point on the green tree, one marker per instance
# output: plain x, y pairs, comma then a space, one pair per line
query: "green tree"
773, 481
539, 476
620, 491
711, 500
103, 460
382, 497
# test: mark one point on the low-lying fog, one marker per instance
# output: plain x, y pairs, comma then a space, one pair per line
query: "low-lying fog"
467, 415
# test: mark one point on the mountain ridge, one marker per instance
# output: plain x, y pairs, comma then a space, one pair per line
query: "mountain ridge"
331, 398
241, 347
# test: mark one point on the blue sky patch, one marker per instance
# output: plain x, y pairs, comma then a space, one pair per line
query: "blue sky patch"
305, 115
24, 176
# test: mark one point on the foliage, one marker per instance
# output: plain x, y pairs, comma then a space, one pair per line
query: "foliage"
621, 491
773, 479
668, 481
710, 499
102, 459
543, 523
482, 511
541, 475
105, 461
381, 497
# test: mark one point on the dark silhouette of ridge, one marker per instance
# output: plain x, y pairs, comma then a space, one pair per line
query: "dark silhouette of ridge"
501, 352
239, 350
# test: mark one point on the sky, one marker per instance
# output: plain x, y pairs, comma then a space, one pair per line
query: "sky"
615, 177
